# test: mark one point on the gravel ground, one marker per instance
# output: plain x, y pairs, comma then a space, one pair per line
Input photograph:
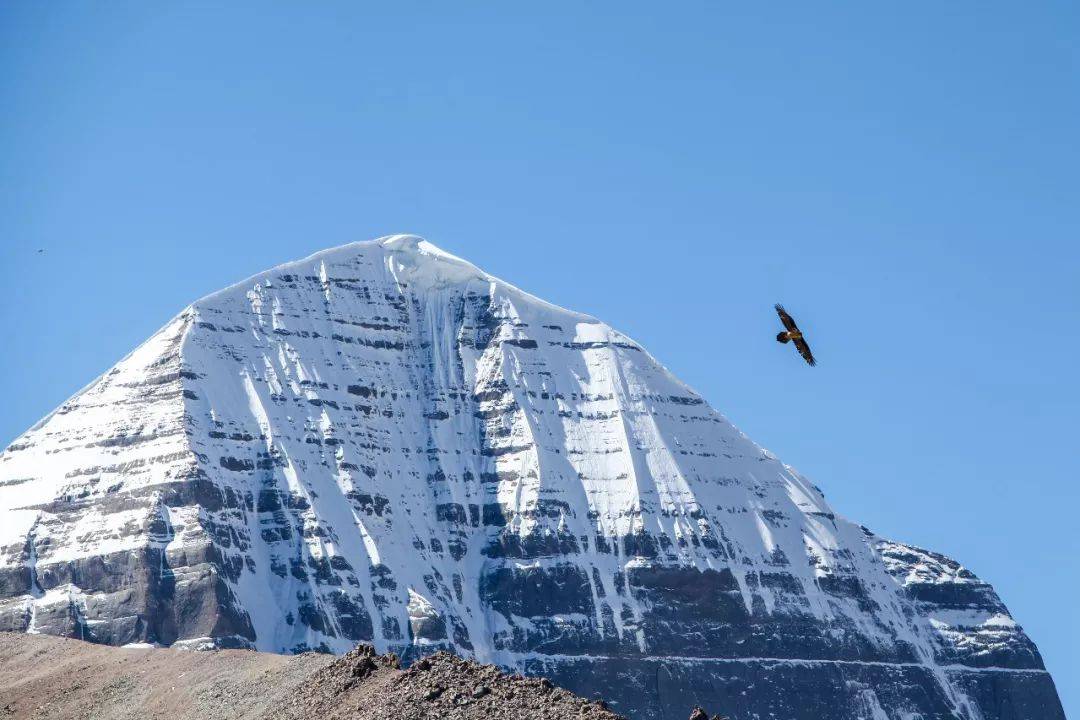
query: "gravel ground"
46, 677
366, 686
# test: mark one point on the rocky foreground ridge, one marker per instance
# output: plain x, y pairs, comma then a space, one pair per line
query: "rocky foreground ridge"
47, 678
381, 443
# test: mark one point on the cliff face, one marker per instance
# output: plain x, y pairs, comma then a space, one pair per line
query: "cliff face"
382, 443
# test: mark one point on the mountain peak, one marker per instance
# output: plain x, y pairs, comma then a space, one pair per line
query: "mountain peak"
382, 443
420, 261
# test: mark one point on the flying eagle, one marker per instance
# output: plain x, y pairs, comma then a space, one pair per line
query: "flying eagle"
792, 332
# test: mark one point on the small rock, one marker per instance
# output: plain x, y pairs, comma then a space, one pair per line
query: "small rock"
480, 691
698, 714
364, 667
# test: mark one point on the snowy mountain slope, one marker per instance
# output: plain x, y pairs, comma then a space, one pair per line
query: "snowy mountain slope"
383, 443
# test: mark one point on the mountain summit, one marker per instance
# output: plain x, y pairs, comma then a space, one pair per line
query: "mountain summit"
382, 443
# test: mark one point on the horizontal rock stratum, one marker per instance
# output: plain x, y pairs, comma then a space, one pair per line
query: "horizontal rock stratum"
382, 443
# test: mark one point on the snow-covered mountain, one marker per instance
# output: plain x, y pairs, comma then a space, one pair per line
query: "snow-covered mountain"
381, 442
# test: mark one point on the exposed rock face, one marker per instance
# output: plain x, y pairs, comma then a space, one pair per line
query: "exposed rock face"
381, 443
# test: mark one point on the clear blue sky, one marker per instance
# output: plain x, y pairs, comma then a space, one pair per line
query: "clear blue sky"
904, 177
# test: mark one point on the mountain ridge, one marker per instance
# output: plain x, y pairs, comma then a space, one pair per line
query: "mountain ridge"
52, 678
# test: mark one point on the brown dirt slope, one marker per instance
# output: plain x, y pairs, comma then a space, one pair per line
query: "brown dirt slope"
47, 677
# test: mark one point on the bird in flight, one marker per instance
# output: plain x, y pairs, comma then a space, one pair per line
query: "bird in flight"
792, 332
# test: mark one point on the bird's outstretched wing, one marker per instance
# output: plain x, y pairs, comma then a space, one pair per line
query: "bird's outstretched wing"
804, 350
789, 323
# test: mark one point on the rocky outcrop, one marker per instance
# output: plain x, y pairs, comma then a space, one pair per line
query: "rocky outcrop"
363, 685
381, 443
